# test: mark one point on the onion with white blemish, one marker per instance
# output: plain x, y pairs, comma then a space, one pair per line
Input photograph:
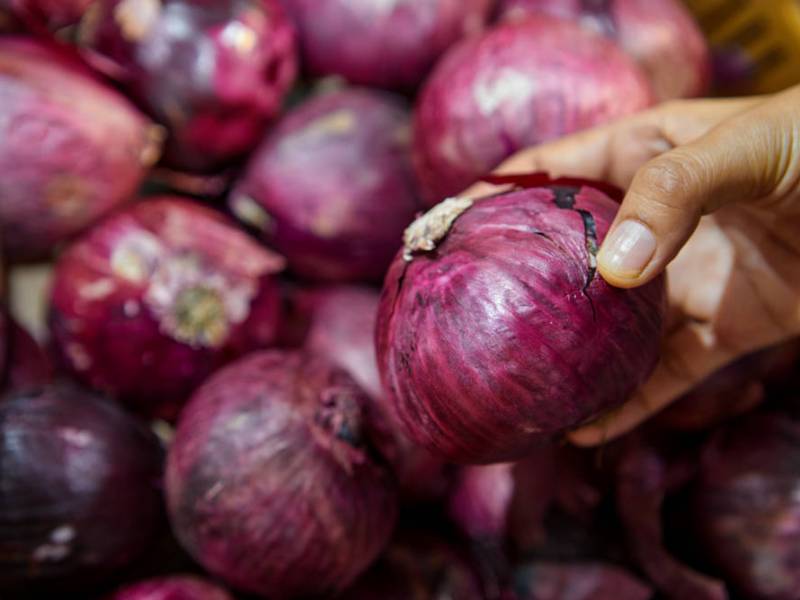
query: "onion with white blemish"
155, 298
79, 489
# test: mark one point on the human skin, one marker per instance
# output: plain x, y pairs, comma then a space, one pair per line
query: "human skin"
714, 199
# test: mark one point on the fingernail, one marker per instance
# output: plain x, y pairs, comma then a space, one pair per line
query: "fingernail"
628, 249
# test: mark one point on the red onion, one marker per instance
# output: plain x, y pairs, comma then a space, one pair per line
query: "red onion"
271, 481
747, 506
332, 186
515, 86
70, 149
544, 580
419, 567
342, 328
214, 73
660, 34
645, 475
176, 587
79, 488
155, 298
391, 43
494, 331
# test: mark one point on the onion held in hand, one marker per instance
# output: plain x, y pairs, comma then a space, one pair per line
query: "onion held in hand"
155, 298
515, 86
332, 186
70, 147
271, 481
176, 587
384, 44
494, 331
747, 506
214, 73
79, 488
660, 34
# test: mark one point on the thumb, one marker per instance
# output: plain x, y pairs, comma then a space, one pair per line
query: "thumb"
743, 159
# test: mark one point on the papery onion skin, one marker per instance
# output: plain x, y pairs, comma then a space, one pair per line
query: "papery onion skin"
214, 73
504, 335
156, 297
80, 488
660, 34
382, 44
517, 85
419, 567
71, 148
271, 483
174, 587
747, 507
342, 328
332, 186
542, 580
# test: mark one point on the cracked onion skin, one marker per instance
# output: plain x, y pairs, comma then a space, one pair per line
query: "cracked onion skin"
71, 148
214, 73
515, 86
80, 489
382, 44
271, 481
660, 34
158, 296
494, 331
173, 587
746, 506
332, 187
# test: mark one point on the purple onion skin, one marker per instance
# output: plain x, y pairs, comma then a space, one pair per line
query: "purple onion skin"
215, 73
382, 44
517, 85
660, 34
155, 298
342, 328
747, 509
71, 150
332, 186
543, 580
271, 483
79, 488
504, 335
419, 567
175, 587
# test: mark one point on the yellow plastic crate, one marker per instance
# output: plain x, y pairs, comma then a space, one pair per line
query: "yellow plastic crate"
756, 43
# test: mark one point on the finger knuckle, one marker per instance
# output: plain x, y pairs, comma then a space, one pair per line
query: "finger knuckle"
666, 180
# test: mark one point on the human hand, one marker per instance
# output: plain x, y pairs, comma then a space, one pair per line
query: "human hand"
713, 192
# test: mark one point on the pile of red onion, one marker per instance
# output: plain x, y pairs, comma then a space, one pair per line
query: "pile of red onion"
385, 44
273, 482
495, 332
156, 297
214, 73
519, 84
72, 148
81, 489
331, 188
